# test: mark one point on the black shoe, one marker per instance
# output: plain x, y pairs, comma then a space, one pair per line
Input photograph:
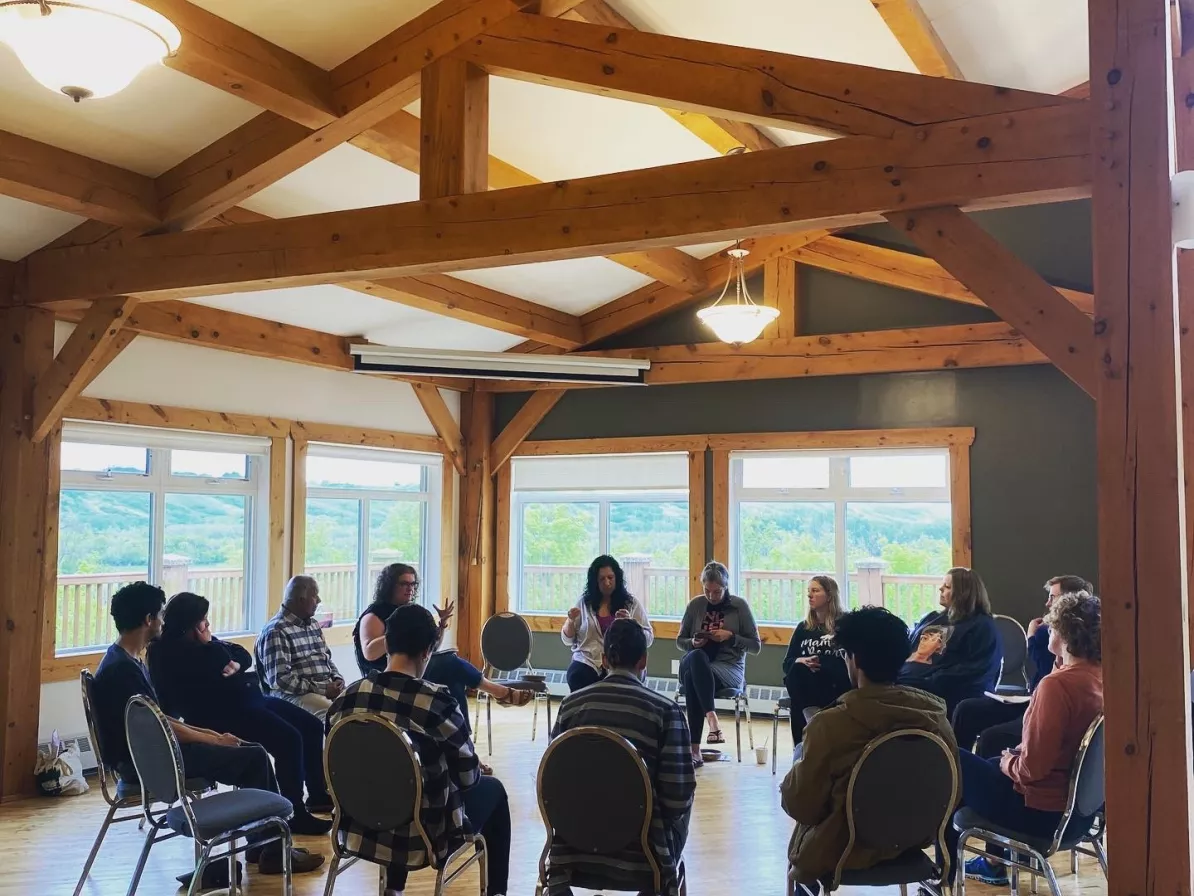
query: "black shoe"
321, 805
215, 876
307, 825
302, 861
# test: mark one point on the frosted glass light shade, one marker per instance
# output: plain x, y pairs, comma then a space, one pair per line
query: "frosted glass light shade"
738, 323
91, 48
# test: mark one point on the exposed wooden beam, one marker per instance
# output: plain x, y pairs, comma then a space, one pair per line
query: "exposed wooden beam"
1141, 523
521, 425
720, 133
1078, 91
8, 276
462, 300
55, 178
454, 149
669, 266
444, 423
1183, 105
1012, 289
476, 556
78, 362
903, 270
757, 86
916, 34
781, 291
1037, 155
879, 351
367, 89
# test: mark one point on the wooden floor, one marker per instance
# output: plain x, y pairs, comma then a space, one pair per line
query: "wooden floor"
738, 842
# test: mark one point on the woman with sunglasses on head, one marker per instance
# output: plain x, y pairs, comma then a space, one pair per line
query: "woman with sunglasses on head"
397, 586
717, 632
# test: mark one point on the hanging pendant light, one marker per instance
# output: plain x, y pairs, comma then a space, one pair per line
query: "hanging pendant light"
86, 48
741, 320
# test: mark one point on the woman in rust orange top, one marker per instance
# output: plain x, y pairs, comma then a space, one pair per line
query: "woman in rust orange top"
1026, 788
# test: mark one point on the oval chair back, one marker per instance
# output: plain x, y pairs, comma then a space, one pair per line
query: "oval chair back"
87, 686
901, 795
155, 753
506, 642
599, 814
1015, 651
1087, 782
374, 776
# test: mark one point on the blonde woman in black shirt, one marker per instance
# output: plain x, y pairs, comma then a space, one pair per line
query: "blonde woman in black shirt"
814, 669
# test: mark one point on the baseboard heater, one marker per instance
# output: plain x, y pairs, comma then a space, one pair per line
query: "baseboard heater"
762, 697
82, 743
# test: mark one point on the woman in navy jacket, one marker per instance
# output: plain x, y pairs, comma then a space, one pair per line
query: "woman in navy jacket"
970, 661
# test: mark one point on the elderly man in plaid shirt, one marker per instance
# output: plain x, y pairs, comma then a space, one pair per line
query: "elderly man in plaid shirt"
456, 798
292, 656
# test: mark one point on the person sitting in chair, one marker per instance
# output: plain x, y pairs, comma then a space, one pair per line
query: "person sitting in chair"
456, 798
814, 671
657, 728
217, 757
875, 643
293, 658
605, 599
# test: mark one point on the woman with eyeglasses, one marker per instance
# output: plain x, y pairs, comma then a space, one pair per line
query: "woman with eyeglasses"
397, 586
717, 632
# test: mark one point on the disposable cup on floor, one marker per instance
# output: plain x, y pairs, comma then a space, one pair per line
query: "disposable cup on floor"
761, 755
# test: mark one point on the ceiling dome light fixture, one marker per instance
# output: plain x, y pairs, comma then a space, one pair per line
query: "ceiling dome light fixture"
86, 48
742, 320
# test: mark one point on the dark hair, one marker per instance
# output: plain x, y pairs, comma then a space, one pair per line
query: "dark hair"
1070, 584
1077, 619
969, 595
716, 571
132, 603
387, 581
877, 640
410, 631
184, 611
625, 644
621, 599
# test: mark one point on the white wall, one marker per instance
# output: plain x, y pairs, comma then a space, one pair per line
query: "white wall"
159, 372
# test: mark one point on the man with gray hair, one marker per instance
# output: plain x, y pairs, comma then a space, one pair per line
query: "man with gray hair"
293, 659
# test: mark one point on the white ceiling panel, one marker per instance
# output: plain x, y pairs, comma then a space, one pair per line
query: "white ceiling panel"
435, 331
704, 250
25, 227
558, 134
1028, 44
321, 32
574, 285
157, 121
344, 178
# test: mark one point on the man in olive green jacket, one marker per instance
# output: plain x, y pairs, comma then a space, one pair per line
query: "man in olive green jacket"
814, 792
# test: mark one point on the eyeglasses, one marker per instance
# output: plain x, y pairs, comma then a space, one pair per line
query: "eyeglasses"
413, 586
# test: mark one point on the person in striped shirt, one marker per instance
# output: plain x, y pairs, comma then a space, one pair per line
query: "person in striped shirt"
657, 728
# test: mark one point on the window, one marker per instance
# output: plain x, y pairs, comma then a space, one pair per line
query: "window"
368, 508
878, 521
568, 510
183, 510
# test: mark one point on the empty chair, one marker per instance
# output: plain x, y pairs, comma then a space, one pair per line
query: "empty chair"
1013, 678
784, 706
218, 820
899, 799
609, 837
1081, 824
506, 647
376, 779
126, 794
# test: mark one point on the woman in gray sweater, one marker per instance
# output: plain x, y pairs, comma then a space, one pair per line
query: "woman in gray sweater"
717, 632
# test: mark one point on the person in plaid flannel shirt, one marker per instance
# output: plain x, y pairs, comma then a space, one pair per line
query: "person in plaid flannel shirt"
293, 658
457, 799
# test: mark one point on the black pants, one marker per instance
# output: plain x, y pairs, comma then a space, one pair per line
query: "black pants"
699, 680
974, 716
581, 675
292, 736
488, 809
246, 766
808, 688
998, 738
457, 675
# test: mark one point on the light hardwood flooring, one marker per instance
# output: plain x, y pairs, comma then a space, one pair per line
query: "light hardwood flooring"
737, 845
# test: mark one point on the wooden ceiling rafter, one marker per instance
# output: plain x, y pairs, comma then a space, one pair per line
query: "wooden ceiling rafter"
910, 26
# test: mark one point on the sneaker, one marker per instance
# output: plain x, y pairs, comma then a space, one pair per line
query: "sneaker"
321, 804
983, 871
307, 825
302, 861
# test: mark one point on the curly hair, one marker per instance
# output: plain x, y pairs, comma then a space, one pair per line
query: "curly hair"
387, 581
1077, 619
621, 599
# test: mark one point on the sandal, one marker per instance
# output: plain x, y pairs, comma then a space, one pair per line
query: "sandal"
515, 697
715, 737
486, 770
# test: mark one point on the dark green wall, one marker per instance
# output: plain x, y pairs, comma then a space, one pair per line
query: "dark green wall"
1033, 459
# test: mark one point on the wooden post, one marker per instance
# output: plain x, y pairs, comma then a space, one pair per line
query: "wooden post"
697, 550
454, 116
1183, 104
476, 601
869, 576
29, 481
1142, 521
781, 290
